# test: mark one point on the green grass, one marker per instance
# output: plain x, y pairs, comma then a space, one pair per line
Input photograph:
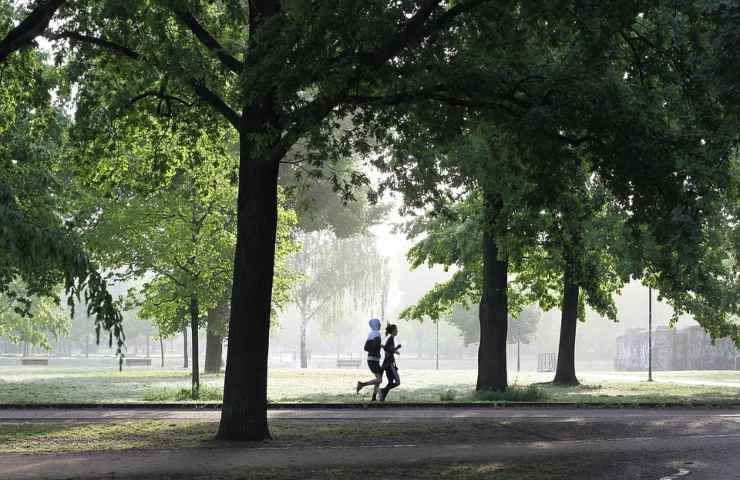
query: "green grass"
48, 385
515, 393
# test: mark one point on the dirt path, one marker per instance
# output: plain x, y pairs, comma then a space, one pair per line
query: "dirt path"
711, 457
587, 443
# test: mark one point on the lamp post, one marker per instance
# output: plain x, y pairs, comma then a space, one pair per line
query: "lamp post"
650, 334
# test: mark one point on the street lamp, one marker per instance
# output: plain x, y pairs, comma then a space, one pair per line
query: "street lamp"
650, 334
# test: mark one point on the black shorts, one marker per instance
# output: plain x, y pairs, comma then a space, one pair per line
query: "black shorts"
374, 366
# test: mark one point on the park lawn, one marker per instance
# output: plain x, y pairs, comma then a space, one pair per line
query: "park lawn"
44, 385
731, 376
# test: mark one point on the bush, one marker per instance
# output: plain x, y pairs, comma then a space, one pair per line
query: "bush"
205, 394
448, 395
515, 393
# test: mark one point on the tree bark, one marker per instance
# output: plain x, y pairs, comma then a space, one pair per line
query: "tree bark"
214, 343
565, 372
493, 312
194, 313
244, 411
304, 351
518, 355
29, 28
214, 351
185, 347
216, 321
161, 348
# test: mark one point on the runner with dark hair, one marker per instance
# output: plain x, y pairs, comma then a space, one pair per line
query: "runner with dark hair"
389, 362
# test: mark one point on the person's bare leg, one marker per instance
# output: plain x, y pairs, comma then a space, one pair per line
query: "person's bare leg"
376, 381
376, 385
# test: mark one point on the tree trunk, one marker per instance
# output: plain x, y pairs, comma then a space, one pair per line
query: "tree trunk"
244, 411
493, 313
161, 348
185, 347
214, 350
194, 334
216, 321
304, 351
518, 355
147, 346
565, 373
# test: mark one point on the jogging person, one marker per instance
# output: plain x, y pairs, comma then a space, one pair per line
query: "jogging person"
389, 362
372, 347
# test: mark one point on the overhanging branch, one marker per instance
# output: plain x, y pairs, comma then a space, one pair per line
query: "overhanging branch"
205, 94
417, 28
99, 42
31, 27
209, 41
217, 103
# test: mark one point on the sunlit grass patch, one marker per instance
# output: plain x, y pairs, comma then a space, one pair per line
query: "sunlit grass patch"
327, 385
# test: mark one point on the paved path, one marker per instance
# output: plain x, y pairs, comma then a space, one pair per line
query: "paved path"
593, 443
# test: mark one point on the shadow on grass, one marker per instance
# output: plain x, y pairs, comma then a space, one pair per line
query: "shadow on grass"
45, 438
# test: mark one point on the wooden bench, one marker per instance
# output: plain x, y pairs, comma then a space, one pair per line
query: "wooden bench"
348, 363
138, 362
34, 361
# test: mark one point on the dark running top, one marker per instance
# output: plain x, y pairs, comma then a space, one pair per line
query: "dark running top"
390, 351
372, 347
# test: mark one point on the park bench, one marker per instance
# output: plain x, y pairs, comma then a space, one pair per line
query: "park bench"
546, 362
34, 361
348, 363
138, 362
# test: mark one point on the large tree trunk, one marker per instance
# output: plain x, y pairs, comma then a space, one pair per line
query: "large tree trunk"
244, 412
304, 350
565, 373
194, 313
493, 312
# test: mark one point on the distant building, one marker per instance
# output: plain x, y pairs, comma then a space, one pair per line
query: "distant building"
686, 349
